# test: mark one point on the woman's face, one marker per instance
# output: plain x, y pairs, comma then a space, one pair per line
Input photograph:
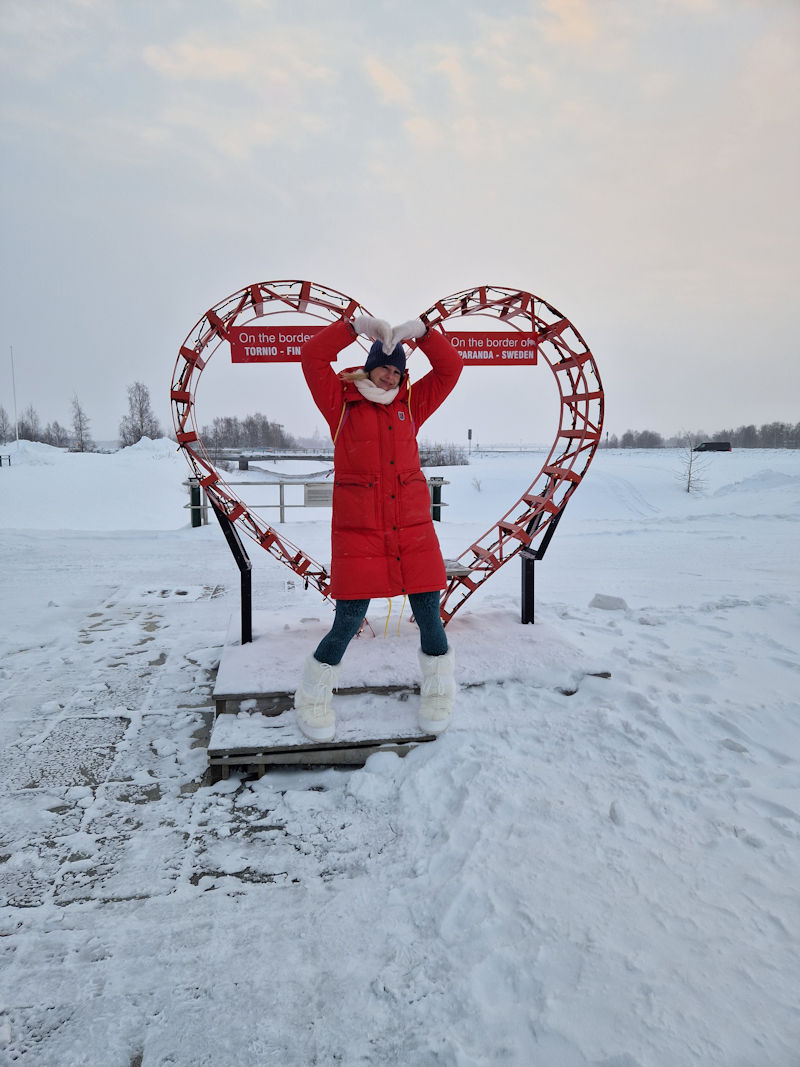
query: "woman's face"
385, 377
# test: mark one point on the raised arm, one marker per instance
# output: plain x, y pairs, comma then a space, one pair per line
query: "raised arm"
316, 358
446, 366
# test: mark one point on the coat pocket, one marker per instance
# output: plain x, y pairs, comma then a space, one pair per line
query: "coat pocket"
355, 502
415, 499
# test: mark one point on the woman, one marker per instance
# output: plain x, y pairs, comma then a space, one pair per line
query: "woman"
383, 542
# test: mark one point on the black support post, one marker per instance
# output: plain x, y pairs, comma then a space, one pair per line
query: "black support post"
528, 558
437, 503
195, 501
435, 487
245, 567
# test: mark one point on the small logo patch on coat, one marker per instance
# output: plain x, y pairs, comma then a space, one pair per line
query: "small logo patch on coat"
401, 415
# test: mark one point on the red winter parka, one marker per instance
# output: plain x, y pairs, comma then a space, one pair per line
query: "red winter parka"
382, 537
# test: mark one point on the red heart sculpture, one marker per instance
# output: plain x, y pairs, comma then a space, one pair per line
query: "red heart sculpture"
531, 520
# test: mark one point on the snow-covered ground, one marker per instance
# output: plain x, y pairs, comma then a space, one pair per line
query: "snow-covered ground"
584, 870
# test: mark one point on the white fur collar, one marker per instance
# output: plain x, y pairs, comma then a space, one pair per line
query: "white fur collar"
370, 391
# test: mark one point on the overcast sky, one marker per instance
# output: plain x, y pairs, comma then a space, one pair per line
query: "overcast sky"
634, 162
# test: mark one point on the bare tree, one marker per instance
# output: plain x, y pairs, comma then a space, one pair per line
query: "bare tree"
649, 439
442, 455
693, 465
6, 426
747, 436
254, 431
140, 421
55, 434
641, 439
30, 429
80, 428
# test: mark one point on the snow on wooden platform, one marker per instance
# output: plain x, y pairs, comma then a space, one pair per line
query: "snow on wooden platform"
366, 722
260, 667
376, 704
255, 725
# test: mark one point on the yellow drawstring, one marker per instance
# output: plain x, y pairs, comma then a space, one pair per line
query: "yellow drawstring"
389, 615
341, 420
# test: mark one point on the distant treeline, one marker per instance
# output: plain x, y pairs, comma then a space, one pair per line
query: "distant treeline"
138, 423
770, 435
257, 431
28, 427
253, 431
442, 455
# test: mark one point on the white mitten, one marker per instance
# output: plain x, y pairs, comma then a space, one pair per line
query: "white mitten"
377, 329
414, 328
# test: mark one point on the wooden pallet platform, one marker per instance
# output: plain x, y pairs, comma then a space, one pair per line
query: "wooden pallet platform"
255, 727
368, 721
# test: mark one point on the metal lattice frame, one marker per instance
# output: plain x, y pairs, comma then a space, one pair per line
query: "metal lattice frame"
528, 524
253, 302
531, 521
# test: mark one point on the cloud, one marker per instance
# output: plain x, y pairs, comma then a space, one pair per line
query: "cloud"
265, 59
455, 65
233, 142
573, 22
219, 104
392, 88
770, 75
422, 131
39, 41
186, 60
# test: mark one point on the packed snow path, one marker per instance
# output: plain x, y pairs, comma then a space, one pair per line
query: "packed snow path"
585, 870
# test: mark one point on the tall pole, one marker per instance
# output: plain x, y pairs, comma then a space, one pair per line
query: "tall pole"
14, 394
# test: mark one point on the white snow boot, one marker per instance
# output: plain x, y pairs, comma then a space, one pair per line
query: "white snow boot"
437, 692
312, 701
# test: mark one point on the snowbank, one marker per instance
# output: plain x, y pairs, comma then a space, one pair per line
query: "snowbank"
137, 488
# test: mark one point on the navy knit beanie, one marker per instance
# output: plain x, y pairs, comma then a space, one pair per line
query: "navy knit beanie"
378, 358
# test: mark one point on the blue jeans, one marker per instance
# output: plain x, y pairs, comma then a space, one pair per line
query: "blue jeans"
350, 614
